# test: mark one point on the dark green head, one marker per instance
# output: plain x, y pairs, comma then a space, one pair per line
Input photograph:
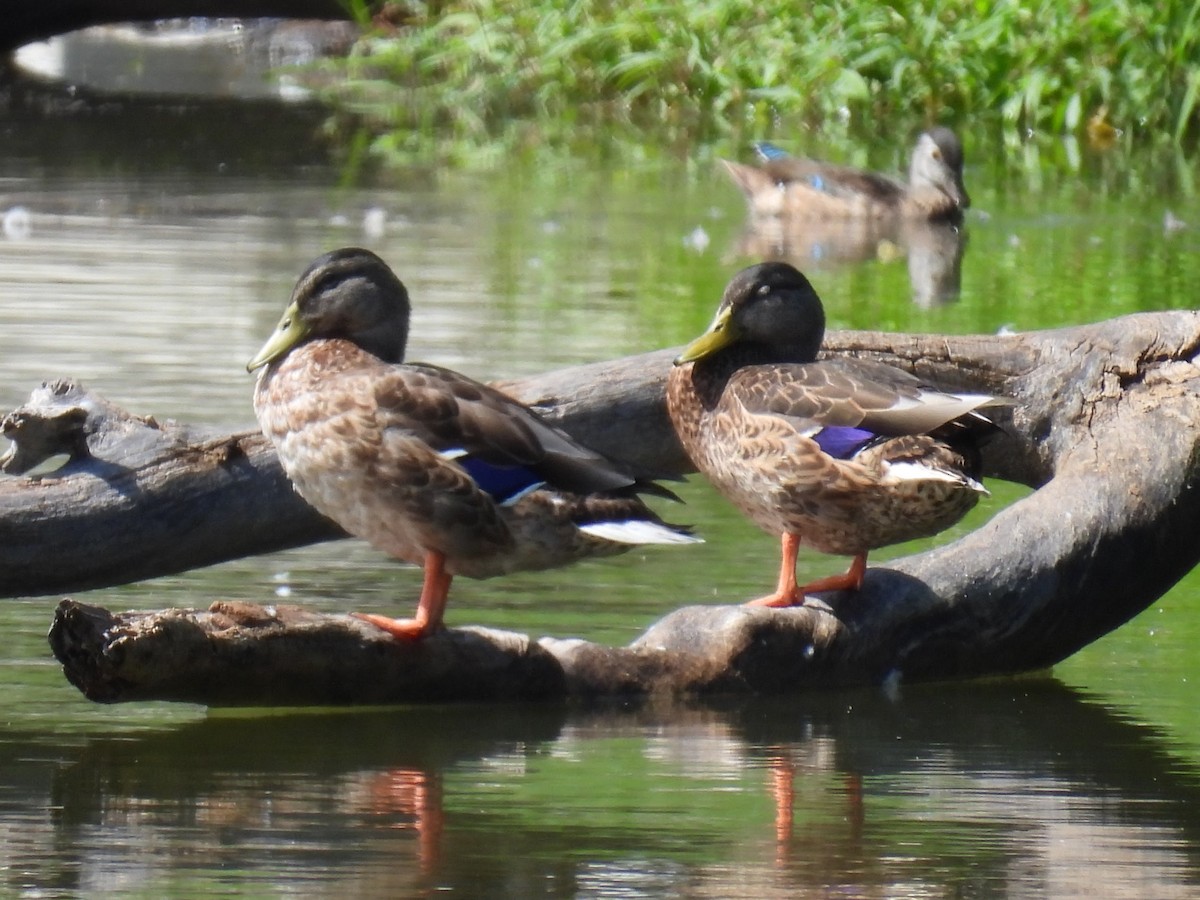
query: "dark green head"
770, 307
348, 293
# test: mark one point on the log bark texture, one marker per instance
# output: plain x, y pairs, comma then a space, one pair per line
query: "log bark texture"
136, 498
1104, 425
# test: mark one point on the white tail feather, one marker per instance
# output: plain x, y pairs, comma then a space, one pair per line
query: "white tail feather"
912, 471
638, 531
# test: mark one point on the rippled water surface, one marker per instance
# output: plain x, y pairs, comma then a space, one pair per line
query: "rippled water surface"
149, 259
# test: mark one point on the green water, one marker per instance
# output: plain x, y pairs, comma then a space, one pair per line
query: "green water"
153, 279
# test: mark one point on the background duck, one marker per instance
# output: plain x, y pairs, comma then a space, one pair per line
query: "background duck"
842, 455
785, 185
422, 462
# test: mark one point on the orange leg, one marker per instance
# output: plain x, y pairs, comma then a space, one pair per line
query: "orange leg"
430, 608
788, 593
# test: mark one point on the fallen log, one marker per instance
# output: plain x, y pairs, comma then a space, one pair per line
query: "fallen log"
238, 654
1103, 425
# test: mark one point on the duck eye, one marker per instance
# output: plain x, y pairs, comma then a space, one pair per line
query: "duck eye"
763, 290
937, 154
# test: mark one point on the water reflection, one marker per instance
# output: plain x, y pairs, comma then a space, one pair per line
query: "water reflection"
933, 250
1020, 787
1032, 788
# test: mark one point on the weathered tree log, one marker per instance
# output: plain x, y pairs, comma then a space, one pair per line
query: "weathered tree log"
26, 21
136, 498
1104, 424
244, 654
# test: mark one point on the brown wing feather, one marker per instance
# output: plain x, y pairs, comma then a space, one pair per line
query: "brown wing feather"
836, 181
839, 181
848, 392
449, 411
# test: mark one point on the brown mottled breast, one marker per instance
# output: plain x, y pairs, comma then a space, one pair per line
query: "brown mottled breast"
373, 468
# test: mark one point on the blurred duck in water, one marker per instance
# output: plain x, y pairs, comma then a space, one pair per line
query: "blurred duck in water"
790, 186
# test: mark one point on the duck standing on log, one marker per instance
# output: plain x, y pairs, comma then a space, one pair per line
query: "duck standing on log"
424, 463
842, 455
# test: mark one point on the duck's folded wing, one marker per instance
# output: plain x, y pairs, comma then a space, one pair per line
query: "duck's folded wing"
463, 419
850, 393
837, 181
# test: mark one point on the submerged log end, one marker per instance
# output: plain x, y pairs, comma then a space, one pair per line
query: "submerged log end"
76, 641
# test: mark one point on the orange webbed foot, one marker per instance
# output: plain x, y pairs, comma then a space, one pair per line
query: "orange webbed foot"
779, 600
788, 593
405, 629
782, 601
430, 608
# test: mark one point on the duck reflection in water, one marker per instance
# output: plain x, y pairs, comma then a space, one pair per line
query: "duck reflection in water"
933, 251
409, 799
942, 790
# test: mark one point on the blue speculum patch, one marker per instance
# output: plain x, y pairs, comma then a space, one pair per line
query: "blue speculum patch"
503, 483
768, 152
842, 441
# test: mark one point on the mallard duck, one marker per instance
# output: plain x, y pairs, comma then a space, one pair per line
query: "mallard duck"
785, 185
842, 455
424, 463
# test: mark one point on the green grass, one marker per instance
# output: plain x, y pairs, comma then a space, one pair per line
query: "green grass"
480, 79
